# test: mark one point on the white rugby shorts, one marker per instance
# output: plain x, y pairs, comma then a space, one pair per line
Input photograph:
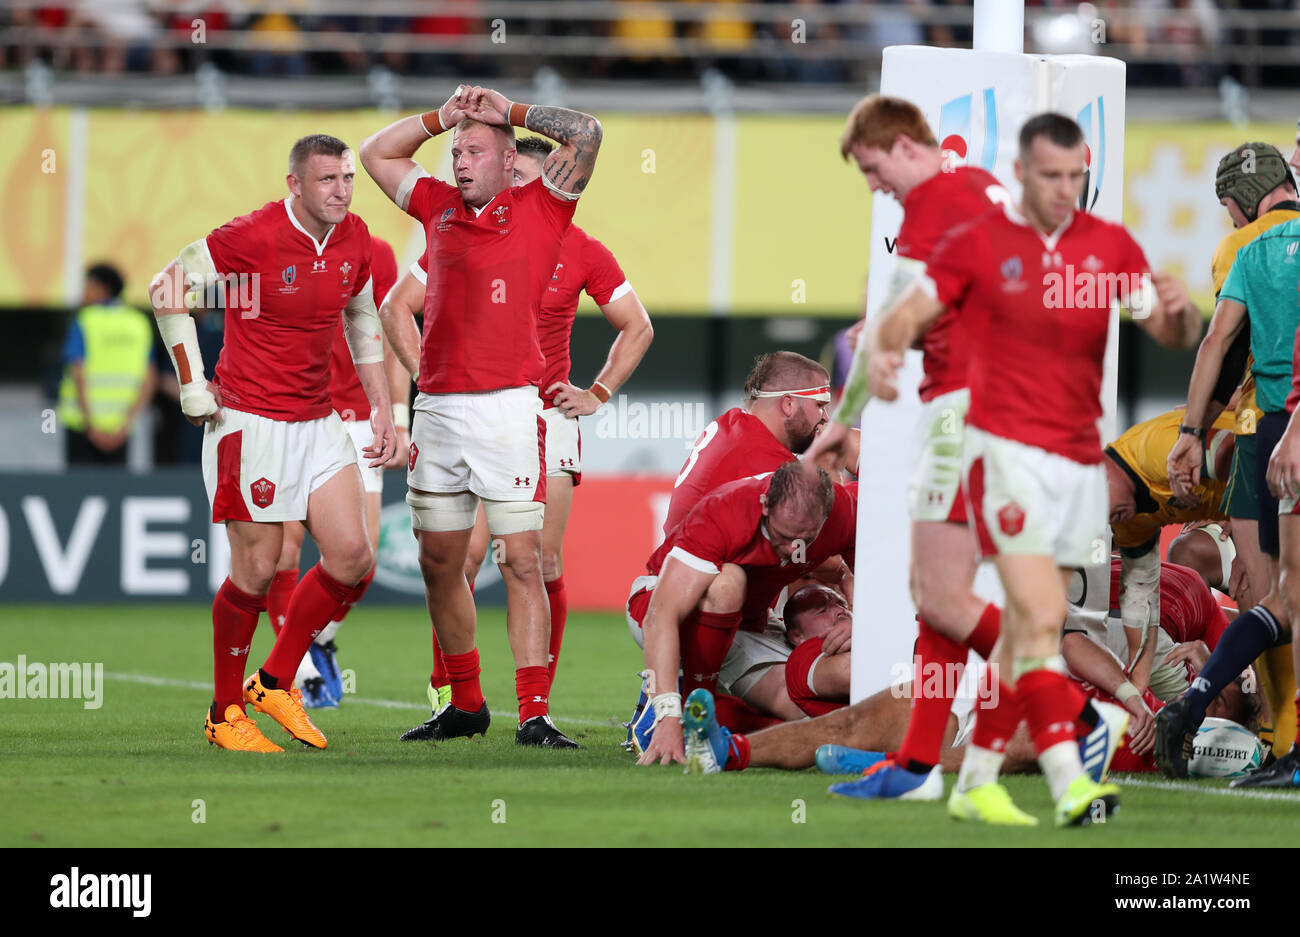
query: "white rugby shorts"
563, 444
362, 436
490, 443
1028, 501
934, 492
259, 469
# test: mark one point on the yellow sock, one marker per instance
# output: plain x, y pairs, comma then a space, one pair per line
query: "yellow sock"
1277, 683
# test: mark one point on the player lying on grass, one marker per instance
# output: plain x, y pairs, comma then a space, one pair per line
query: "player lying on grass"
1035, 284
477, 433
274, 450
860, 736
1260, 290
800, 671
318, 674
720, 569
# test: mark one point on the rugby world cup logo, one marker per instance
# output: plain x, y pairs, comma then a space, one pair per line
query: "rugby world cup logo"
289, 274
959, 137
1093, 121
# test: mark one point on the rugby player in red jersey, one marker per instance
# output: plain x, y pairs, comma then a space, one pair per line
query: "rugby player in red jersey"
318, 674
895, 149
584, 265
478, 432
274, 450
1034, 286
720, 569
786, 396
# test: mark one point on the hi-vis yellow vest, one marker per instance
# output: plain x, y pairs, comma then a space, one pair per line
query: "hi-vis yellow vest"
118, 340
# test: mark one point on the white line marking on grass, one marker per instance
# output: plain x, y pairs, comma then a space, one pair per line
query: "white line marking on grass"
1132, 781
150, 680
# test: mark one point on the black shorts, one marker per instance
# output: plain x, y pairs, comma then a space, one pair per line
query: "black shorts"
1268, 432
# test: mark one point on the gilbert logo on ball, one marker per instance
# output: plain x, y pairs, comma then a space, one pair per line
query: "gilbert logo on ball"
1011, 519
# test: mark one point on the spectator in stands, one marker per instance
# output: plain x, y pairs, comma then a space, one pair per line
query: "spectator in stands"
109, 372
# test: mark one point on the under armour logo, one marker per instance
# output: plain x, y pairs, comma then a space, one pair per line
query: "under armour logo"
317, 265
539, 699
566, 463
239, 651
523, 482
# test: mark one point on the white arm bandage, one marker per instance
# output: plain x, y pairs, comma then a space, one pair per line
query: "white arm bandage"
667, 705
1139, 604
361, 327
182, 341
403, 194
199, 270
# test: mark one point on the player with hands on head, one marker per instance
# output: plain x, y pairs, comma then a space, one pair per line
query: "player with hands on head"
492, 247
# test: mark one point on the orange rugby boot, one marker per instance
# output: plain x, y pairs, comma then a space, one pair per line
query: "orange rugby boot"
285, 707
238, 733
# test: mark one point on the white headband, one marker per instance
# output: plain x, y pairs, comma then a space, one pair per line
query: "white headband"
820, 394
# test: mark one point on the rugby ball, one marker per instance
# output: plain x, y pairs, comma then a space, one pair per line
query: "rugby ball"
1224, 749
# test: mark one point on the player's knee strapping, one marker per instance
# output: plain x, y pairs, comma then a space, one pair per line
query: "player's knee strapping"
513, 517
442, 512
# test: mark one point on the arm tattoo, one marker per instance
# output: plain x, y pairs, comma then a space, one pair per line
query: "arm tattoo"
569, 167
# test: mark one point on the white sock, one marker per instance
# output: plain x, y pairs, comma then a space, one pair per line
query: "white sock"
979, 767
306, 670
1061, 764
327, 633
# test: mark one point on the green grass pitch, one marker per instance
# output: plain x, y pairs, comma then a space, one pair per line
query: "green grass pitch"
133, 772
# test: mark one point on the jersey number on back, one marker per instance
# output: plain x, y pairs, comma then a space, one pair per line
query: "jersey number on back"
709, 432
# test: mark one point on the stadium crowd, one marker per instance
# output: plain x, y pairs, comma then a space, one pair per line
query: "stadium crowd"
1169, 40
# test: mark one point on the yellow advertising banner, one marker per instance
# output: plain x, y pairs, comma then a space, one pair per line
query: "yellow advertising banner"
748, 215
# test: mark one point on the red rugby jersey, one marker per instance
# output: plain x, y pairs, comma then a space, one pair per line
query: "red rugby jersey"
930, 211
1188, 611
584, 264
724, 527
275, 361
736, 445
798, 668
486, 274
1036, 308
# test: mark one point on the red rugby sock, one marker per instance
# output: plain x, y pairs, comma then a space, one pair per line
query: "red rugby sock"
462, 674
277, 599
738, 757
939, 663
314, 603
1051, 703
355, 595
985, 636
234, 619
559, 612
997, 714
706, 636
532, 684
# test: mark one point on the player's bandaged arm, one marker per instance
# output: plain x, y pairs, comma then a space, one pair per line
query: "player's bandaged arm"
1139, 603
365, 338
1228, 321
907, 272
683, 581
171, 293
